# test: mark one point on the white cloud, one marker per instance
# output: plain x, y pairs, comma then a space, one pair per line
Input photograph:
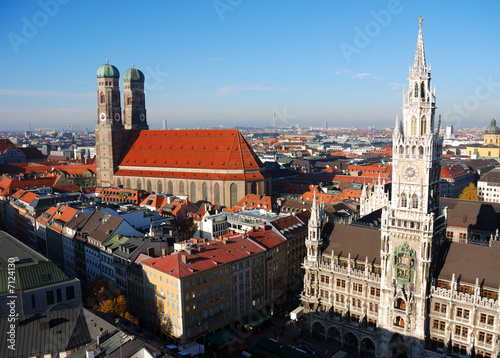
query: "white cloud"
362, 75
342, 72
395, 86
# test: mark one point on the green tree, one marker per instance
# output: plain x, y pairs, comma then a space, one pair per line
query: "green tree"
469, 193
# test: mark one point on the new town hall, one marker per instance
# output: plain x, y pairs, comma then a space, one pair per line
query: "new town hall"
402, 289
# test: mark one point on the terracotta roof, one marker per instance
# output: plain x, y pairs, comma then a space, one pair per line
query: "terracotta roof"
375, 168
218, 150
254, 201
155, 200
469, 262
45, 216
5, 144
204, 255
267, 238
8, 185
452, 171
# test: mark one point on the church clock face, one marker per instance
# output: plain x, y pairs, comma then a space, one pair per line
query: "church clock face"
410, 172
117, 117
142, 117
103, 116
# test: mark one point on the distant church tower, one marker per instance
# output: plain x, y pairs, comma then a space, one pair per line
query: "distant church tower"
109, 131
412, 224
134, 102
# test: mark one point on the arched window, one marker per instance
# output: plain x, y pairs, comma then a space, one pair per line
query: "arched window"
102, 97
403, 200
413, 150
118, 183
139, 184
128, 184
233, 193
400, 304
148, 186
422, 90
416, 90
159, 187
413, 126
170, 187
181, 188
401, 150
129, 101
424, 126
400, 322
193, 192
216, 194
253, 188
421, 150
414, 201
204, 192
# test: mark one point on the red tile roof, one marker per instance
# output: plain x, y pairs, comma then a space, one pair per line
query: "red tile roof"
452, 171
204, 255
5, 144
8, 185
254, 201
45, 216
218, 150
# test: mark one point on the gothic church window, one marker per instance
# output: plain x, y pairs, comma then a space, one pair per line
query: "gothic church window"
170, 187
423, 130
181, 188
421, 150
217, 194
422, 90
102, 98
414, 201
403, 200
128, 184
204, 192
413, 126
193, 192
416, 90
233, 192
139, 184
148, 186
159, 188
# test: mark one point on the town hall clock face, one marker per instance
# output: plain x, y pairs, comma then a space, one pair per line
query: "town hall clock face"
410, 172
103, 116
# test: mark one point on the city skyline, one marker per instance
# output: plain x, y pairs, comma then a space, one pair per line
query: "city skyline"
225, 61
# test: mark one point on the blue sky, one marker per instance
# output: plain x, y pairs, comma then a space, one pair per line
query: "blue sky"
218, 62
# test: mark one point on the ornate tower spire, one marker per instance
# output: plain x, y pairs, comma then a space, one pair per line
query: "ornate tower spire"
314, 242
420, 65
